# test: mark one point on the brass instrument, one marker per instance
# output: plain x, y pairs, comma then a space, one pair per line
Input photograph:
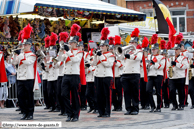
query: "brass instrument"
55, 60
190, 70
170, 71
125, 50
11, 51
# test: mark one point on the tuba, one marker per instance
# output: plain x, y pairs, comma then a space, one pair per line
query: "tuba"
119, 51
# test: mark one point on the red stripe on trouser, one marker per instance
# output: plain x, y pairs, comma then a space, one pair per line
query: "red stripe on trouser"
70, 98
110, 98
168, 93
161, 97
186, 93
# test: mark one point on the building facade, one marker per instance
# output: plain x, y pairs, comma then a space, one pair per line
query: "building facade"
182, 12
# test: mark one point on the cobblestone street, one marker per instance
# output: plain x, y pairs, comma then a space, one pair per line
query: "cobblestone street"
167, 119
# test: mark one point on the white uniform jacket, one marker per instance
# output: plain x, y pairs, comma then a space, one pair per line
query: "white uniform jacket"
25, 61
132, 65
181, 65
90, 74
72, 62
104, 65
118, 68
53, 71
157, 68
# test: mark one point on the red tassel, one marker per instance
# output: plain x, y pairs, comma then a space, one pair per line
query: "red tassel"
154, 39
145, 42
162, 44
53, 39
74, 29
135, 33
169, 45
82, 71
179, 38
111, 40
193, 45
47, 41
27, 31
144, 69
104, 33
117, 40
63, 36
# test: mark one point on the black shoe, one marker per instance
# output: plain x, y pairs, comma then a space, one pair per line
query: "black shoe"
119, 109
134, 113
152, 110
95, 111
46, 108
23, 117
52, 110
186, 105
18, 109
68, 119
83, 109
181, 108
20, 113
114, 109
74, 120
56, 110
99, 116
192, 107
105, 116
128, 113
61, 114
157, 110
90, 110
30, 117
174, 108
147, 108
64, 114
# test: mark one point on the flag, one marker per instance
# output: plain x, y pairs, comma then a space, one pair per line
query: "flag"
165, 25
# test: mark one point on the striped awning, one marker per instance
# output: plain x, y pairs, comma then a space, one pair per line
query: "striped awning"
95, 8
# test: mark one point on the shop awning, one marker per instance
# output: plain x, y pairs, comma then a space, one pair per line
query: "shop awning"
94, 9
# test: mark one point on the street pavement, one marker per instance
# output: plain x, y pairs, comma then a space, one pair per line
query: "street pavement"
167, 119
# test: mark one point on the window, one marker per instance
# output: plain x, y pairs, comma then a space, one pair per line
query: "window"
110, 1
179, 21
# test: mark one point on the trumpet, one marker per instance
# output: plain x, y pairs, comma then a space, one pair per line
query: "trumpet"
11, 51
55, 60
62, 44
124, 50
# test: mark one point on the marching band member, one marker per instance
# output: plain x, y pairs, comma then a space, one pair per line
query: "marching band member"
52, 75
91, 89
61, 65
143, 94
82, 88
131, 76
155, 75
72, 76
177, 82
191, 83
165, 84
183, 53
26, 75
117, 92
45, 75
103, 60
